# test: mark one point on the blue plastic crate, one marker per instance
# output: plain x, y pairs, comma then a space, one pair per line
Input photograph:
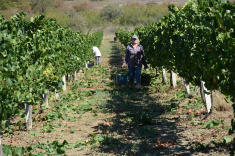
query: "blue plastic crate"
121, 79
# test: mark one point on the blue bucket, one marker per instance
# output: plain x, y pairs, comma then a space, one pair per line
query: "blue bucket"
121, 79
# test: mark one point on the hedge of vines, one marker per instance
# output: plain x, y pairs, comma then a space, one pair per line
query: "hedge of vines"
35, 54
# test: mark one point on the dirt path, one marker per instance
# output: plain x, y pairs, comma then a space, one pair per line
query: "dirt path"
97, 117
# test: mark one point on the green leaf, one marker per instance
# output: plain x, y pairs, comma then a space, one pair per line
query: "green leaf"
64, 118
31, 132
227, 140
81, 149
19, 151
65, 142
13, 68
9, 82
3, 123
59, 151
7, 150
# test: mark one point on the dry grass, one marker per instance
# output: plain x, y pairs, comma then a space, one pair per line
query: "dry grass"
220, 104
83, 6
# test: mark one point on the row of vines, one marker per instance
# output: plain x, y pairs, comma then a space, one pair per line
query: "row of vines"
35, 55
196, 41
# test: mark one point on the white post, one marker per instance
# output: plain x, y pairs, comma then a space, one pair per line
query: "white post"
164, 78
57, 95
64, 86
157, 71
78, 74
1, 152
182, 81
207, 97
186, 85
69, 78
86, 65
28, 113
45, 98
173, 79
75, 75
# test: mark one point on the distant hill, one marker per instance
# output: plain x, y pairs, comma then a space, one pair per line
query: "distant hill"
102, 3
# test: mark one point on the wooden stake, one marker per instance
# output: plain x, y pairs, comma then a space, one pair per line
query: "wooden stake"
28, 113
157, 72
70, 78
202, 93
45, 98
64, 86
57, 95
75, 76
164, 78
182, 81
207, 95
1, 152
186, 85
173, 79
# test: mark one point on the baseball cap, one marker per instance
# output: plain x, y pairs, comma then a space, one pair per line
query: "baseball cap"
134, 36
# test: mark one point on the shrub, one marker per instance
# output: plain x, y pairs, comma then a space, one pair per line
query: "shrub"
155, 11
78, 22
110, 12
59, 3
140, 14
61, 18
84, 6
5, 4
93, 19
135, 4
42, 6
133, 15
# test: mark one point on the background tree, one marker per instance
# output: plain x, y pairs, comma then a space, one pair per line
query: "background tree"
5, 4
110, 12
42, 5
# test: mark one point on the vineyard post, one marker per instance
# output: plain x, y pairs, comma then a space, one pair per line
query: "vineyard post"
69, 78
157, 71
64, 80
80, 73
57, 95
212, 99
45, 98
173, 79
207, 95
1, 153
28, 113
182, 81
202, 93
186, 85
75, 76
164, 78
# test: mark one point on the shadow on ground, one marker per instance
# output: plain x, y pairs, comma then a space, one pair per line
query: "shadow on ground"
138, 127
143, 124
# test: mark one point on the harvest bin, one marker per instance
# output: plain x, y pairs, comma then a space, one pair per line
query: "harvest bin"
145, 79
121, 79
90, 64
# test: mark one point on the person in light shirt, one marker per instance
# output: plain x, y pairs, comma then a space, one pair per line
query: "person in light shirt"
97, 53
